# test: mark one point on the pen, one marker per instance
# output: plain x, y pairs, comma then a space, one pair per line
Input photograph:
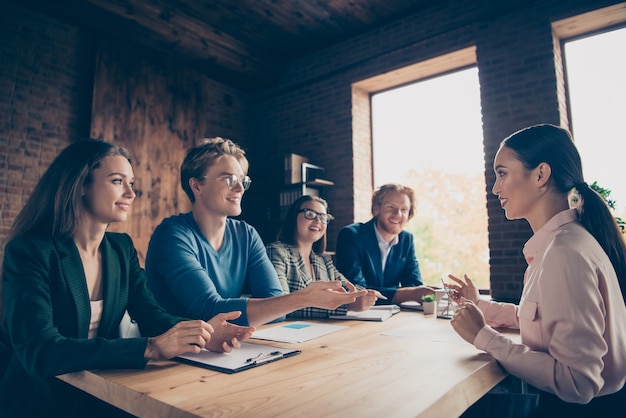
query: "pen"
376, 292
263, 356
380, 295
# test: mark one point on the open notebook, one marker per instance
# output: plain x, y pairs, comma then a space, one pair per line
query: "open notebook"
375, 313
412, 305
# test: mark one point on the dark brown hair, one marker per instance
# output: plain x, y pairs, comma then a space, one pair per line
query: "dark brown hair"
56, 203
289, 230
554, 146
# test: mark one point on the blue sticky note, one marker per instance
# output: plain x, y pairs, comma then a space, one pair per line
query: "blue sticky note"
296, 326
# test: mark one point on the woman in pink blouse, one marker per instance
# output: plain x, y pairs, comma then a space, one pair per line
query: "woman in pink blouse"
572, 312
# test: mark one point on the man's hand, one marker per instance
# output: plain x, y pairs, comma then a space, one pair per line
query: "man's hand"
227, 336
415, 293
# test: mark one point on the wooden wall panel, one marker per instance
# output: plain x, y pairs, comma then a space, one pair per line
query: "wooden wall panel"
45, 96
157, 110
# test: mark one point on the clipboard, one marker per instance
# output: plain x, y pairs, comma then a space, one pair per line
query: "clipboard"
248, 356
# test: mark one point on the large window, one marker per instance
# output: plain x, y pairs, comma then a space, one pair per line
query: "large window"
595, 67
428, 135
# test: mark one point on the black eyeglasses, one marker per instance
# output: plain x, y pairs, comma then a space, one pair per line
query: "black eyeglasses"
231, 180
311, 215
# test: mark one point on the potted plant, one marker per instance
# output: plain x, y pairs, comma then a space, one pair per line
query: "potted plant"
429, 303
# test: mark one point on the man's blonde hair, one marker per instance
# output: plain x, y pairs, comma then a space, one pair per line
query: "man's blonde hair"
204, 155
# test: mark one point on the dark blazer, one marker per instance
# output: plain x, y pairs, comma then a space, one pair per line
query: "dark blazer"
358, 258
47, 308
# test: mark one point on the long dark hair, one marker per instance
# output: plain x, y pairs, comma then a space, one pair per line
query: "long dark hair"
555, 146
289, 230
55, 204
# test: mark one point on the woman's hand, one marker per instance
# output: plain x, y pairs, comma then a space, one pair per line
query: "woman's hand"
468, 320
365, 302
463, 289
184, 337
227, 336
329, 295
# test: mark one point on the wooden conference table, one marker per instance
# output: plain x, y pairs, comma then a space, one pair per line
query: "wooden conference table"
410, 365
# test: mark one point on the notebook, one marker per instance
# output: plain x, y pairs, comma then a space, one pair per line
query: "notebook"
412, 305
375, 313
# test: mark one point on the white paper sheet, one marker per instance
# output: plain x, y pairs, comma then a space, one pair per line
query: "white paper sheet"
296, 332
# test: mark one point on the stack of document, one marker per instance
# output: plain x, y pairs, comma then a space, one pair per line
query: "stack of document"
375, 313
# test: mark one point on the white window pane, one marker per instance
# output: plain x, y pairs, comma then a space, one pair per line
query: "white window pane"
596, 67
428, 136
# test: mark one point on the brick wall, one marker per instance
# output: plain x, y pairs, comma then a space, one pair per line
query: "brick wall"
45, 84
48, 76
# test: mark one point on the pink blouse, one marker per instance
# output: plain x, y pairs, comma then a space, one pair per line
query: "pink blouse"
571, 316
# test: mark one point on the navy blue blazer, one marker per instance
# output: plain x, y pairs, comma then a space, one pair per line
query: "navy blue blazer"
46, 302
358, 258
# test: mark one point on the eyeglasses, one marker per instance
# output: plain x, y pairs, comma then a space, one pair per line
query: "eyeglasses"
311, 215
231, 180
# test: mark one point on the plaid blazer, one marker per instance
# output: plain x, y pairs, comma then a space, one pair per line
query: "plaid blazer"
294, 275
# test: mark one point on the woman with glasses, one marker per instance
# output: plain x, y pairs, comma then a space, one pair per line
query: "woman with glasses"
67, 282
299, 256
204, 262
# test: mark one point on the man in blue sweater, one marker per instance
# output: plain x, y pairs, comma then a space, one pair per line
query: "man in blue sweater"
379, 254
200, 263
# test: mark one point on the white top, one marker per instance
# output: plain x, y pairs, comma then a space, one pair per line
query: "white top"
384, 246
96, 314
